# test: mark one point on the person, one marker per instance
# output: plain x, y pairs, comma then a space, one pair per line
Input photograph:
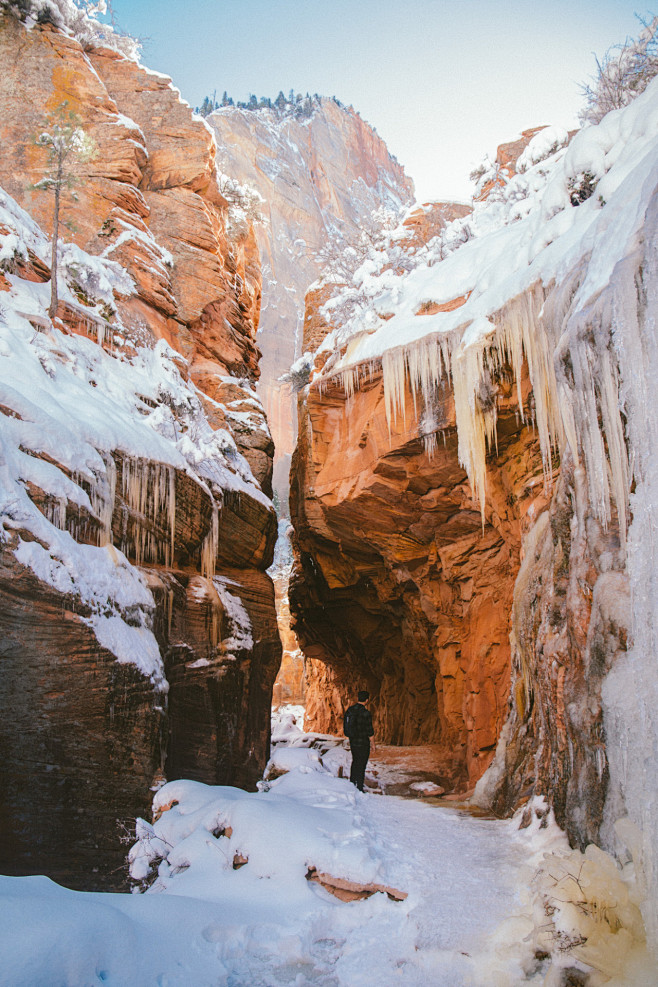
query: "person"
357, 727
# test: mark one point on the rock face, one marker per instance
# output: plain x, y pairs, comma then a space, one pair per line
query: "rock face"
570, 625
84, 735
497, 623
318, 174
470, 631
400, 587
290, 685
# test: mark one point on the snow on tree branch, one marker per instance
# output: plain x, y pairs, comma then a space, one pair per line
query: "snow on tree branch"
623, 73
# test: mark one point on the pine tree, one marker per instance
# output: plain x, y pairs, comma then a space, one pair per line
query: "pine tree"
66, 143
206, 107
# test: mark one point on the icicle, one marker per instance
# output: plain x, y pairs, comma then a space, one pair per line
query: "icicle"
429, 442
170, 611
149, 491
529, 328
55, 510
210, 545
102, 495
472, 427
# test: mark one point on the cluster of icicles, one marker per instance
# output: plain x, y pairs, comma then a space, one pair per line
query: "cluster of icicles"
148, 528
578, 407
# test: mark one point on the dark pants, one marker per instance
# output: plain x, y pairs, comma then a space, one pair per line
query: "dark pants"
360, 755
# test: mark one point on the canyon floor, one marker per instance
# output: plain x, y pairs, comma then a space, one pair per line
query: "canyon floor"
232, 903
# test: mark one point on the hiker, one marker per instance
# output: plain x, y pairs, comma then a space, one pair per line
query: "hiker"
357, 727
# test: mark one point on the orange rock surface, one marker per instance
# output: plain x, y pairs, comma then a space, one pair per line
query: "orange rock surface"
399, 588
314, 173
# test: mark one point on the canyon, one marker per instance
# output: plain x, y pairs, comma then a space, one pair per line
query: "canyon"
321, 174
471, 487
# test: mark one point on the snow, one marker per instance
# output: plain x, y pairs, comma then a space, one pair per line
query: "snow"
204, 922
70, 406
542, 146
225, 897
287, 724
493, 260
239, 636
131, 646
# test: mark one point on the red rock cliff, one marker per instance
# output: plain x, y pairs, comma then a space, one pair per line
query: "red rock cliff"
83, 736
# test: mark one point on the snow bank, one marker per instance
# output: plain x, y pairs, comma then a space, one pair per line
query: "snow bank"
229, 902
287, 724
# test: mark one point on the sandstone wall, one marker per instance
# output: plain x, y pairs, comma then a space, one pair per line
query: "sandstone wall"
570, 622
400, 588
83, 737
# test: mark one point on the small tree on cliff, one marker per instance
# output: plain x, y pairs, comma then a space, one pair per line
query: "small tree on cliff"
67, 144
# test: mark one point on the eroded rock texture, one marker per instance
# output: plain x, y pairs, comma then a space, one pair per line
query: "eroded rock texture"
570, 624
84, 737
81, 738
401, 587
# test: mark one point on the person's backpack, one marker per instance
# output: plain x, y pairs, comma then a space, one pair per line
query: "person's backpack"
349, 721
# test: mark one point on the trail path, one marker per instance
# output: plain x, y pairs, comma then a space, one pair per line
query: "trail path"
206, 924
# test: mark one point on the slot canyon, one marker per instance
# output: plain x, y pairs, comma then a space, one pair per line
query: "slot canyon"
283, 433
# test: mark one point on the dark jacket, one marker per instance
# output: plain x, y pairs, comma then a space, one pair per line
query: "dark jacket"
360, 725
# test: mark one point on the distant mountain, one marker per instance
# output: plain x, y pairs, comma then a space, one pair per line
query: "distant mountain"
321, 175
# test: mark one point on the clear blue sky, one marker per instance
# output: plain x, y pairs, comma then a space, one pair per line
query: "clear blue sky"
443, 81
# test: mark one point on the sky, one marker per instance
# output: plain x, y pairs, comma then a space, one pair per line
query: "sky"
442, 81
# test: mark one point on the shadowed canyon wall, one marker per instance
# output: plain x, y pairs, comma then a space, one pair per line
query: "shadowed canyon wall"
84, 736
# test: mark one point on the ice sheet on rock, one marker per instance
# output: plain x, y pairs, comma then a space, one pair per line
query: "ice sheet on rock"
240, 636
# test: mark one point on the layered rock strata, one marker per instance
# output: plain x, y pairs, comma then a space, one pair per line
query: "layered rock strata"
85, 735
402, 588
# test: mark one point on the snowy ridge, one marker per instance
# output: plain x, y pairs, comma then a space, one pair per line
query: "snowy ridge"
68, 405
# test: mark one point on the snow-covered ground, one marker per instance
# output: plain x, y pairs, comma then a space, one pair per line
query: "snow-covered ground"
229, 903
